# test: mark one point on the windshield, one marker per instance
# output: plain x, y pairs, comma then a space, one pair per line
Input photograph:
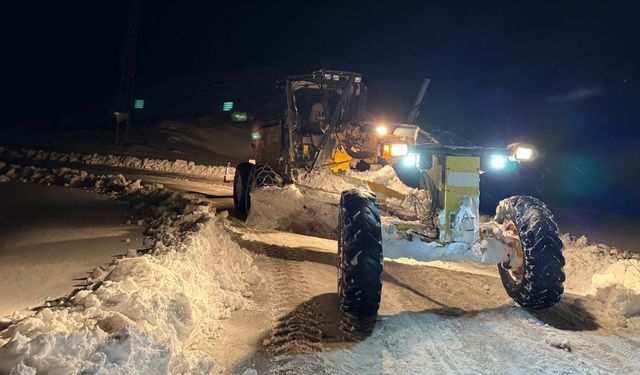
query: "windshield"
316, 103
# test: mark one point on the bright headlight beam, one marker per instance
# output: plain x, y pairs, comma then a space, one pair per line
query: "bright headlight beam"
411, 160
498, 162
381, 130
399, 149
524, 153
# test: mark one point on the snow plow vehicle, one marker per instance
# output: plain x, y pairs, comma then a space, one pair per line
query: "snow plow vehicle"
324, 127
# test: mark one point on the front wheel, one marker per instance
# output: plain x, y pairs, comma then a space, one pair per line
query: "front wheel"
360, 259
538, 282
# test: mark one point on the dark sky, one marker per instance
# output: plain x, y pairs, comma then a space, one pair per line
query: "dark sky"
499, 70
564, 75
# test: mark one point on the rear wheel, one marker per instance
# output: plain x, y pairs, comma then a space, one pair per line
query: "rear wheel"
360, 259
240, 189
538, 282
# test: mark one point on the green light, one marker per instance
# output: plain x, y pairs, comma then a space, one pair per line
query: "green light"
227, 106
138, 104
239, 116
255, 136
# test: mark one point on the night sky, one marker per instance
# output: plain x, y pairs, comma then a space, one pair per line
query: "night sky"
565, 75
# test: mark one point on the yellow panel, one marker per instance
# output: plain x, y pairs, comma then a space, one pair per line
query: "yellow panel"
466, 167
340, 162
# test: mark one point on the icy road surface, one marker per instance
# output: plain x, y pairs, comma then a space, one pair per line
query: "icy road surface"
433, 321
51, 237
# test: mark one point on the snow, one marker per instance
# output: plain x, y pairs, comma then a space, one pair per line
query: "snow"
311, 205
384, 176
505, 340
158, 312
50, 236
161, 165
293, 209
148, 314
610, 275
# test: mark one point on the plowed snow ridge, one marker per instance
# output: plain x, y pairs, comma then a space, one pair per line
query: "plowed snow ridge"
142, 314
161, 165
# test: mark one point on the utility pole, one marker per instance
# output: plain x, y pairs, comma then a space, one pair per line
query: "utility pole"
124, 96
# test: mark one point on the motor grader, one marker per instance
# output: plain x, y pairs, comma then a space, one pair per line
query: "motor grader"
324, 125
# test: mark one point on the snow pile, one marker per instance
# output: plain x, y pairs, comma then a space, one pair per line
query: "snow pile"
504, 340
162, 165
312, 205
145, 314
292, 209
325, 180
608, 274
384, 176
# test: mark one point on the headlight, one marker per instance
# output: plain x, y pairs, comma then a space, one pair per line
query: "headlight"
399, 149
381, 130
411, 160
498, 161
524, 153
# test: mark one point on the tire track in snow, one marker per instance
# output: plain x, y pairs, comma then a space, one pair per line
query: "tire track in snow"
296, 336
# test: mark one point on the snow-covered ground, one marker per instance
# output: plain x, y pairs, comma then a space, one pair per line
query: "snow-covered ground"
433, 320
146, 313
214, 294
161, 165
606, 273
50, 237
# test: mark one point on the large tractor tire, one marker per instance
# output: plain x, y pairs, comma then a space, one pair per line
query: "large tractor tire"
538, 283
241, 189
360, 259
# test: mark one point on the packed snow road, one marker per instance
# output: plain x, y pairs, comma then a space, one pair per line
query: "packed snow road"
52, 237
433, 320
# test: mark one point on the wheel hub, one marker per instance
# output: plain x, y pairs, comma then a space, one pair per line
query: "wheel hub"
516, 273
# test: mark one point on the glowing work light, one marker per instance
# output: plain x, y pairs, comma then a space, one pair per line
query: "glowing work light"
498, 161
411, 160
381, 129
399, 149
524, 153
239, 116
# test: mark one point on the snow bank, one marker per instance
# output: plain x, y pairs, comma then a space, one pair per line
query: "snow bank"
147, 314
292, 209
312, 206
325, 180
162, 165
605, 273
